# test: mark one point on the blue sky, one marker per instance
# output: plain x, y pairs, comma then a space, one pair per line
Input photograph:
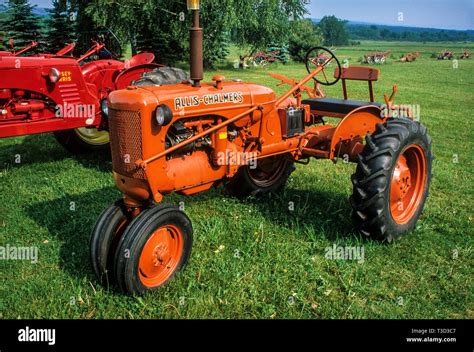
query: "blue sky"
450, 14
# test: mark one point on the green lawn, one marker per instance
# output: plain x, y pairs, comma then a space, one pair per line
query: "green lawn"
256, 258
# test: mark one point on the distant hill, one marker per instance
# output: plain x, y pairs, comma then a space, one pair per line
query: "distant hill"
374, 31
38, 11
396, 28
41, 11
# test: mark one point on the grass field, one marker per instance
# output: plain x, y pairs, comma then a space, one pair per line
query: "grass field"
256, 258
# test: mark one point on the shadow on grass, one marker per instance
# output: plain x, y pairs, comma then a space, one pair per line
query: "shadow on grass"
70, 219
43, 148
323, 213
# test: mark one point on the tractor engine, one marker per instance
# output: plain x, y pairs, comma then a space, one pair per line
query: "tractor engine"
39, 94
148, 121
18, 104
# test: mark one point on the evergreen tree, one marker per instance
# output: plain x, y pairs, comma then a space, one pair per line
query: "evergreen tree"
60, 27
21, 23
2, 39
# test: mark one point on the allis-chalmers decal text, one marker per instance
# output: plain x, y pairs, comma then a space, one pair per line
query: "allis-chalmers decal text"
209, 99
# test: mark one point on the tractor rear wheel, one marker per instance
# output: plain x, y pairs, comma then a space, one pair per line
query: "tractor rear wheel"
392, 179
269, 176
104, 240
161, 76
155, 246
84, 140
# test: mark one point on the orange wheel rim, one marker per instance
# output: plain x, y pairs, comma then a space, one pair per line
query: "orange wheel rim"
160, 256
408, 184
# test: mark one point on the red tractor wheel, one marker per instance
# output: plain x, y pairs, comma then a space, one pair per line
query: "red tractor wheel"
392, 179
84, 140
155, 247
106, 234
270, 175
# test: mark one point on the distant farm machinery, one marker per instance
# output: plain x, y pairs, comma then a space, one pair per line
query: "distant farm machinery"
446, 55
410, 57
376, 57
466, 54
449, 55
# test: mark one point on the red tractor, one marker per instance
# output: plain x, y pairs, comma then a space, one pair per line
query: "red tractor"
191, 136
67, 96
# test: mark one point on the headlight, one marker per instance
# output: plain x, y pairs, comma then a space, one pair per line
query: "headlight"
54, 75
163, 115
104, 107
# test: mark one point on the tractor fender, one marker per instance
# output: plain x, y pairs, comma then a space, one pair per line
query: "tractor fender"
124, 79
102, 74
357, 124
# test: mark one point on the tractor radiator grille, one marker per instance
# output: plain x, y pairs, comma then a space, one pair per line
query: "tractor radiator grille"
126, 142
70, 93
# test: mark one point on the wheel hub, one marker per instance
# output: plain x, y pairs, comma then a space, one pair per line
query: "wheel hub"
160, 255
402, 178
407, 184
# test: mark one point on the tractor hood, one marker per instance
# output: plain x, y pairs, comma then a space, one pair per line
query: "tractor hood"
187, 101
14, 62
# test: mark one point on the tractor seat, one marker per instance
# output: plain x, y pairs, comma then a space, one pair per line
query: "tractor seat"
339, 106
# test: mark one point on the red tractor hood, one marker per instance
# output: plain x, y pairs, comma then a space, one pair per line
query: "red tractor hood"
13, 62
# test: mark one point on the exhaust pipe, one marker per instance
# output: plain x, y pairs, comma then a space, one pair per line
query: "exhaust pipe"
195, 45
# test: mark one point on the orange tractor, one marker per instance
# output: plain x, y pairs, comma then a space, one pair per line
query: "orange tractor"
191, 136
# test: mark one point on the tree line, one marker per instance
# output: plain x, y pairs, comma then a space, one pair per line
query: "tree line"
161, 26
373, 32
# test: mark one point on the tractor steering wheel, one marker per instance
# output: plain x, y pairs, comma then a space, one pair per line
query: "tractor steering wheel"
322, 57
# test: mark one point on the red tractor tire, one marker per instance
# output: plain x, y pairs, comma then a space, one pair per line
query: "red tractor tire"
84, 140
392, 179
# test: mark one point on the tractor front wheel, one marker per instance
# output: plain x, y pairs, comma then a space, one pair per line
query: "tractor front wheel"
106, 234
155, 247
269, 175
392, 179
